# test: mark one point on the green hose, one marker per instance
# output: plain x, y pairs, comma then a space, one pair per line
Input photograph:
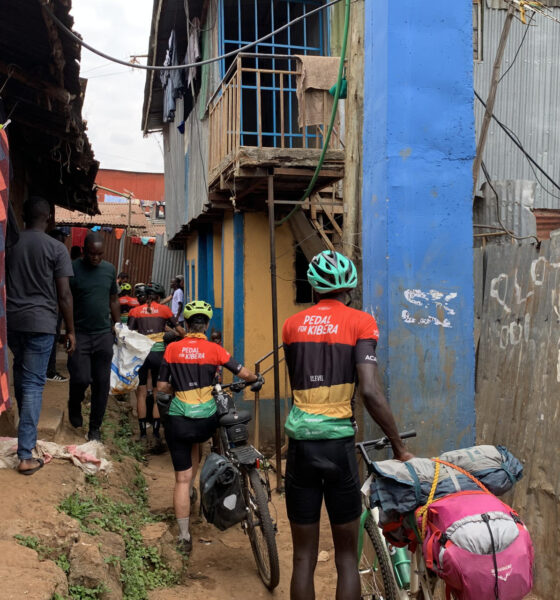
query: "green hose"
333, 118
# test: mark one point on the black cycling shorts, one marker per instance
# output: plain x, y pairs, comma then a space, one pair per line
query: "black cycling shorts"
152, 365
322, 468
181, 433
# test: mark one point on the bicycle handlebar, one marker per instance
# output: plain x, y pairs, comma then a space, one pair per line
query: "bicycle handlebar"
381, 443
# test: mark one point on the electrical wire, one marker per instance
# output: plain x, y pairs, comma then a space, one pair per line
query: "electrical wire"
207, 61
513, 137
504, 228
519, 48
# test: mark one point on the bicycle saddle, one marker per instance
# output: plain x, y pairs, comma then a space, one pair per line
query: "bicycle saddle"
235, 417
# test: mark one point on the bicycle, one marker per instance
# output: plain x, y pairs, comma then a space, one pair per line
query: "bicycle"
386, 572
232, 439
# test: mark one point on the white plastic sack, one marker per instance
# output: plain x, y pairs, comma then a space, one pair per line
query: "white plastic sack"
129, 354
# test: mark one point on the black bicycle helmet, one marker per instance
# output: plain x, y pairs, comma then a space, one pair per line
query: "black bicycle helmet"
155, 289
140, 290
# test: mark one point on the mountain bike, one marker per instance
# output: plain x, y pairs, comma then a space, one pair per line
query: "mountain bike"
232, 442
386, 572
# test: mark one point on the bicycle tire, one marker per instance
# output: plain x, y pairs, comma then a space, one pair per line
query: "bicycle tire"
261, 530
378, 582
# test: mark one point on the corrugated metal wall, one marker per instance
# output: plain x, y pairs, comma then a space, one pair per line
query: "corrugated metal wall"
137, 259
518, 383
527, 101
515, 200
174, 161
167, 262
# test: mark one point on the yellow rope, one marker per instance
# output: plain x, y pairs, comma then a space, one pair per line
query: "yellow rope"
423, 511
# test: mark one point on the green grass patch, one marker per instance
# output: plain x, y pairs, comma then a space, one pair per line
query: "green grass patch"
142, 569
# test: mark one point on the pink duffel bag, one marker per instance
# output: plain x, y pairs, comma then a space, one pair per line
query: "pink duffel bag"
478, 545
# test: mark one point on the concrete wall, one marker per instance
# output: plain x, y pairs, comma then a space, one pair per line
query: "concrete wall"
417, 213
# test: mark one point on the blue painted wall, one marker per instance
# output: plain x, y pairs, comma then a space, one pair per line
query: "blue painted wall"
417, 213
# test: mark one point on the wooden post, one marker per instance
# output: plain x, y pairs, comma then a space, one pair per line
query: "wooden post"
492, 94
354, 117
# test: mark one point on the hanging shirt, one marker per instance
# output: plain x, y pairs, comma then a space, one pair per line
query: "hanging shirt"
189, 365
322, 345
151, 320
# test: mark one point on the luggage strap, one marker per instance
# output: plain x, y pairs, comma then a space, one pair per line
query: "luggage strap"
423, 511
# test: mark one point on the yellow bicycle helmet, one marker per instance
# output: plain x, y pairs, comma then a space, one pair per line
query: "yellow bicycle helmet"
198, 307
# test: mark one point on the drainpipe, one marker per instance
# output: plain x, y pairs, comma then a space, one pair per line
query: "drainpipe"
275, 354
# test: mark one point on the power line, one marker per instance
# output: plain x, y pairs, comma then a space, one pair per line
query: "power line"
519, 48
513, 137
207, 61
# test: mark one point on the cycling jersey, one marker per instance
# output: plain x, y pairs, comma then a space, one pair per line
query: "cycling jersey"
127, 303
322, 345
151, 321
189, 365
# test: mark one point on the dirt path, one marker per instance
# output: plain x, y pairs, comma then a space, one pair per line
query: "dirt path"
222, 564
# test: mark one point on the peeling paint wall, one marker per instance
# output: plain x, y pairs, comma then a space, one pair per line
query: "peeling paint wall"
417, 213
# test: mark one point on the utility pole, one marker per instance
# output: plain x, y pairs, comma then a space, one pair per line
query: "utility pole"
492, 94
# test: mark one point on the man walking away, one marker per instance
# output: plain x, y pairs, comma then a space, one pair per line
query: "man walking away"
178, 300
96, 309
326, 346
37, 269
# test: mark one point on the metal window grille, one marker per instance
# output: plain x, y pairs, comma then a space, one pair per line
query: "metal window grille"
243, 21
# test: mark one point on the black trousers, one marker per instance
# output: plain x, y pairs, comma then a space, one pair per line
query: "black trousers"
91, 364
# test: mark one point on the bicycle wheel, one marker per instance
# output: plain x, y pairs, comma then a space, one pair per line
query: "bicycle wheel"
261, 530
376, 571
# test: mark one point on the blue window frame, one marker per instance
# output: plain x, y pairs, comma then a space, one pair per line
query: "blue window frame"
243, 21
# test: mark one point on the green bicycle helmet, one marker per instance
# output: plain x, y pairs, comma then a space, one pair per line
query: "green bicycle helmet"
198, 307
126, 287
155, 289
331, 271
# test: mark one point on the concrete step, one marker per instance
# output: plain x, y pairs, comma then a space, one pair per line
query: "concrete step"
50, 423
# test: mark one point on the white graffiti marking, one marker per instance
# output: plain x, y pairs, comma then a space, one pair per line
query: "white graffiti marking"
512, 334
429, 300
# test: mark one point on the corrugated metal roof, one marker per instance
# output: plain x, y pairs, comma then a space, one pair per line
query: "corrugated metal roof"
113, 215
548, 219
527, 101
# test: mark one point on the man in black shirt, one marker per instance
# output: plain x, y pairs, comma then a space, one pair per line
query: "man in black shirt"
37, 270
96, 309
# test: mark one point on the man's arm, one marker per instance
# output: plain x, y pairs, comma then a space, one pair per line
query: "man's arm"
115, 308
379, 409
66, 308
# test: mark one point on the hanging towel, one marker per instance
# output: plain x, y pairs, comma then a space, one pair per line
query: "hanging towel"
145, 240
79, 236
118, 233
318, 74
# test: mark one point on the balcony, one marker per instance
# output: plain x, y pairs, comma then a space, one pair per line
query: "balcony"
254, 132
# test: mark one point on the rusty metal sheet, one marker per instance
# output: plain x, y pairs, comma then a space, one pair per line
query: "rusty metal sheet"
518, 382
548, 219
138, 260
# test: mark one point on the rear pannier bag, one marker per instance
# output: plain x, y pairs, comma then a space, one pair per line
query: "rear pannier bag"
221, 492
478, 546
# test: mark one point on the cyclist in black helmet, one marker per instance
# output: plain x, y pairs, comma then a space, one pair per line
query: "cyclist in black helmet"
151, 319
326, 347
187, 373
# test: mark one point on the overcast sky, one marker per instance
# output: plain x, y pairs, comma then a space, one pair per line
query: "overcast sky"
114, 97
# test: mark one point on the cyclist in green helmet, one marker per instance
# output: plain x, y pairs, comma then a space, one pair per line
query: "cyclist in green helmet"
327, 347
186, 379
126, 301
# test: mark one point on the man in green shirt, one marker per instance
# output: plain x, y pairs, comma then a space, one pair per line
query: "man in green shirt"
96, 309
